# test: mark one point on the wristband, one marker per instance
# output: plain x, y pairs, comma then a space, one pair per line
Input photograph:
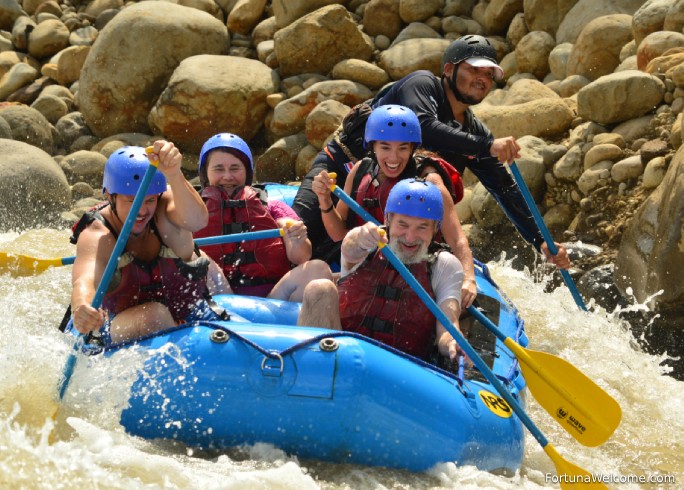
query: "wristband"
326, 211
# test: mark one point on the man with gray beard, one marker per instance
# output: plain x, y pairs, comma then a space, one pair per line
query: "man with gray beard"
372, 298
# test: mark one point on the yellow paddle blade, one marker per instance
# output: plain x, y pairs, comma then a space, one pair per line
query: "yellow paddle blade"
579, 405
571, 476
25, 265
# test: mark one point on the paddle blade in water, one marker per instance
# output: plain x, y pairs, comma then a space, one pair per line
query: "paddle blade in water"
579, 405
23, 265
571, 476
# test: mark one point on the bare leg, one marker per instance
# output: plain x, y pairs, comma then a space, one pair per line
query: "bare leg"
321, 305
291, 285
140, 320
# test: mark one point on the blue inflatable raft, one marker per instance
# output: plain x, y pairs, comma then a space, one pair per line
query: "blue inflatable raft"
328, 395
281, 192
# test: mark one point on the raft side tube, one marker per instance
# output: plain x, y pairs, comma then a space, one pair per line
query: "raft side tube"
359, 403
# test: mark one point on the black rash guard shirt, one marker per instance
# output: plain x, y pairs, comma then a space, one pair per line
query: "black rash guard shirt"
461, 145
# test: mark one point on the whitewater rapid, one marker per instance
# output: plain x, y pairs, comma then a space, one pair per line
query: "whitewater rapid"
90, 449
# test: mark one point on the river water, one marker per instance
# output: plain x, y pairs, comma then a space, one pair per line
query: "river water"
88, 449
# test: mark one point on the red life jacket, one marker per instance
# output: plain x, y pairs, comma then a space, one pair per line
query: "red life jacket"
454, 175
372, 196
370, 193
166, 279
450, 176
245, 264
377, 302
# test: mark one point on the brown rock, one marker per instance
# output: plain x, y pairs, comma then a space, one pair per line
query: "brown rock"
652, 149
29, 93
70, 64
597, 49
331, 36
381, 17
230, 95
125, 73
657, 44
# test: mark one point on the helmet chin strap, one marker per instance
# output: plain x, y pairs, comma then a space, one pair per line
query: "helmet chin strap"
452, 85
112, 204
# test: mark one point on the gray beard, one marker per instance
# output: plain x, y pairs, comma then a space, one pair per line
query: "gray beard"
408, 258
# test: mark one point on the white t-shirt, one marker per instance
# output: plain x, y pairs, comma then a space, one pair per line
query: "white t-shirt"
446, 280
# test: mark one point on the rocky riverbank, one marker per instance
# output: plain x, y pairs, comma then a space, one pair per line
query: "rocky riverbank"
594, 91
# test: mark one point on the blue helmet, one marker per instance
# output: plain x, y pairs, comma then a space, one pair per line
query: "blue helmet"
228, 141
416, 197
392, 123
124, 172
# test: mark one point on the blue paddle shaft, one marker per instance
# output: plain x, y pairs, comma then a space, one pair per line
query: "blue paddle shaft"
123, 236
239, 237
463, 343
545, 233
109, 270
353, 205
217, 240
487, 323
529, 200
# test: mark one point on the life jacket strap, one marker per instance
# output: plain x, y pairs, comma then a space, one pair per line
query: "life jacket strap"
388, 292
240, 256
234, 228
377, 325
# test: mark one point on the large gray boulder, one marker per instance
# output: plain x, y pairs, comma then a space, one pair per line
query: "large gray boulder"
126, 71
287, 11
584, 11
33, 188
619, 97
30, 126
413, 54
546, 15
597, 49
289, 116
319, 40
208, 94
5, 129
650, 258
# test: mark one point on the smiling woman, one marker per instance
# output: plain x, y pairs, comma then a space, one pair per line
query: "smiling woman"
226, 170
392, 135
278, 267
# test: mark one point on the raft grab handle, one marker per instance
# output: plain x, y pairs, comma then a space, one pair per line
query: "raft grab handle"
269, 370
